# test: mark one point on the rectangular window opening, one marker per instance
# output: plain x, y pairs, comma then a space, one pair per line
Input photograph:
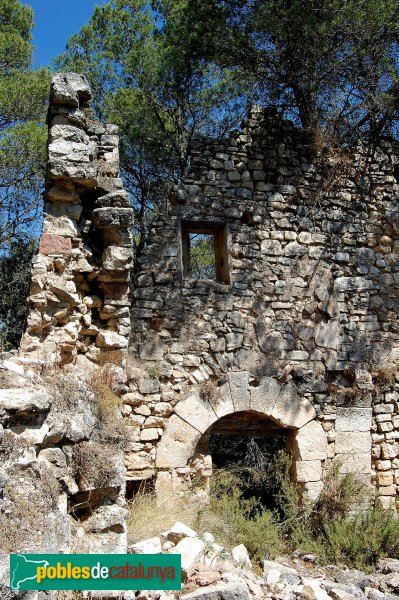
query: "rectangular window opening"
204, 251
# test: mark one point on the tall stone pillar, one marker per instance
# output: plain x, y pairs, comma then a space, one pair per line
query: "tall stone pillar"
78, 303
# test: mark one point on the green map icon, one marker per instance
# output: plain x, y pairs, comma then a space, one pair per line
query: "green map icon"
23, 569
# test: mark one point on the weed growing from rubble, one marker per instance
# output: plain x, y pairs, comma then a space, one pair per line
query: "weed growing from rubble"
26, 509
343, 526
235, 520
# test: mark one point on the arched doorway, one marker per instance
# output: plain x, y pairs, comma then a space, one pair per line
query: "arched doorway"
253, 448
184, 442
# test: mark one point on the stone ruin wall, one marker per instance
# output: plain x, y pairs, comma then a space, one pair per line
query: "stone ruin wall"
301, 328
79, 302
306, 330
62, 476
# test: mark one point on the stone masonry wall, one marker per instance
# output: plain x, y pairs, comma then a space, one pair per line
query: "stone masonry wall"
78, 302
302, 326
299, 328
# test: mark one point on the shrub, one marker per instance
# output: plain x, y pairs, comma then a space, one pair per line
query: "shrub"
235, 520
93, 464
342, 526
362, 539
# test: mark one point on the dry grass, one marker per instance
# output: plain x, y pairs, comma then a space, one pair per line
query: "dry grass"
149, 516
12, 446
67, 391
25, 511
386, 374
106, 406
91, 464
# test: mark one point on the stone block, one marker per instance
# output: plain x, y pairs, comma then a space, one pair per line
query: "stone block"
294, 249
115, 258
241, 557
327, 335
178, 532
69, 89
386, 490
22, 400
138, 461
308, 470
312, 490
106, 517
356, 441
109, 340
385, 478
271, 247
352, 284
149, 435
149, 385
195, 411
55, 245
152, 350
191, 550
389, 450
310, 442
150, 546
177, 444
104, 218
353, 419
356, 463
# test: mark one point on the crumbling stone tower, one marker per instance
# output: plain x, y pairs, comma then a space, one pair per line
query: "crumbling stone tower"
296, 330
78, 301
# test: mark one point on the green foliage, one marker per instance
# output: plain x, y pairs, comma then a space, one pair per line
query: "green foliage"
342, 526
236, 520
362, 539
14, 281
23, 100
151, 74
332, 64
23, 97
202, 256
16, 22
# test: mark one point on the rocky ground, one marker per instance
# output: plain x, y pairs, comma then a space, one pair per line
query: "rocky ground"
211, 573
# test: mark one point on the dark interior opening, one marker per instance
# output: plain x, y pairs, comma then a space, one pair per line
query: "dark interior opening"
253, 447
133, 486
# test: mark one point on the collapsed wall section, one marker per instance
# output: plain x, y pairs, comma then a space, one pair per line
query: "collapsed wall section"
299, 315
78, 303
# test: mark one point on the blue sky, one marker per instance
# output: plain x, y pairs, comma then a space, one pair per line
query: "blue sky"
55, 22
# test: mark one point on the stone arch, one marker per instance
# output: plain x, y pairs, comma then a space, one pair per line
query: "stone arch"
197, 412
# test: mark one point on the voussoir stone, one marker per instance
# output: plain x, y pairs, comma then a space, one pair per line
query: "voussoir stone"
195, 411
291, 411
177, 444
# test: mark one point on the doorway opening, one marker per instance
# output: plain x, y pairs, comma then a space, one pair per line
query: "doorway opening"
254, 449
